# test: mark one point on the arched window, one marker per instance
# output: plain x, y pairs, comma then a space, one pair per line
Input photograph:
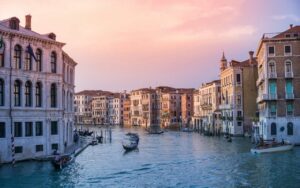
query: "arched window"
2, 52
53, 62
290, 128
17, 56
17, 92
38, 55
53, 93
1, 92
28, 61
38, 94
288, 66
28, 94
273, 129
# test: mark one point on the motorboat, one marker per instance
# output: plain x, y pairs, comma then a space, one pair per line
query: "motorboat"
187, 129
131, 141
59, 162
272, 147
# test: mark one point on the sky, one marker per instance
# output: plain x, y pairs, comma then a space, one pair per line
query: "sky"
124, 45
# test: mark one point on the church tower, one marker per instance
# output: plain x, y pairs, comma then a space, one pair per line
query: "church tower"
223, 63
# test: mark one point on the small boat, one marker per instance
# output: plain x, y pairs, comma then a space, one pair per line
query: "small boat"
131, 141
229, 139
187, 129
62, 161
270, 148
94, 142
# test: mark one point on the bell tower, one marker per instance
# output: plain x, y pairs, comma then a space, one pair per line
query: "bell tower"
223, 63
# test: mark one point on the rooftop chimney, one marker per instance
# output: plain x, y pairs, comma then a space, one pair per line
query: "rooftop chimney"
28, 22
251, 56
291, 26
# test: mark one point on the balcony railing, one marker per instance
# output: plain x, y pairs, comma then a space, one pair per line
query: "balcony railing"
273, 96
226, 106
289, 75
289, 96
272, 75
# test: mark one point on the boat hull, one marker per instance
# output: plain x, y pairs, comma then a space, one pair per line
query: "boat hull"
272, 149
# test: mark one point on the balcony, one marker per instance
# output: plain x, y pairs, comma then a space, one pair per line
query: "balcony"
273, 96
289, 75
226, 106
289, 96
272, 75
206, 106
262, 97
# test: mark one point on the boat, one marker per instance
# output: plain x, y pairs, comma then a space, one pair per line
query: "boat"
272, 147
94, 141
229, 139
59, 162
131, 141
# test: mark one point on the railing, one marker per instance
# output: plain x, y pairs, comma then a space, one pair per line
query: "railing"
272, 75
289, 96
289, 75
273, 96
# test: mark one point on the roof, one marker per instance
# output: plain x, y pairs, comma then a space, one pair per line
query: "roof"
291, 30
93, 92
4, 27
67, 55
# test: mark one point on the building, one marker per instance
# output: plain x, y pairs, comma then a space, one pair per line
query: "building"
143, 107
187, 106
238, 94
196, 119
36, 93
83, 107
278, 85
210, 114
126, 111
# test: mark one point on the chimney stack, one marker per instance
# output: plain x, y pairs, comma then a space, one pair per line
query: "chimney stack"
28, 22
251, 56
291, 26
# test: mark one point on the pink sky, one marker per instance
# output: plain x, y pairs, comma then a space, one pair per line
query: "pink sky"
124, 45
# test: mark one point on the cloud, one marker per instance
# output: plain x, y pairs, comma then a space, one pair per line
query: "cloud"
287, 17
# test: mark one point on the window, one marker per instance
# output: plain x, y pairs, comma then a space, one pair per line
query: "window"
289, 87
239, 123
28, 61
18, 129
1, 92
289, 108
2, 54
17, 56
28, 129
38, 94
273, 129
271, 50
272, 88
288, 67
2, 130
54, 146
28, 95
53, 62
18, 149
273, 109
272, 68
287, 50
17, 93
238, 78
53, 95
39, 128
54, 128
38, 55
290, 128
39, 148
239, 99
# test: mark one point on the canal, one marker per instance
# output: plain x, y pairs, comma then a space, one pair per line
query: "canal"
173, 159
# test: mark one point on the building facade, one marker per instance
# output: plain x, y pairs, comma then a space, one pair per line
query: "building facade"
36, 93
279, 85
238, 93
210, 114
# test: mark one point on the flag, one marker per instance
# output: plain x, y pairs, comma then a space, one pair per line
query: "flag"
30, 51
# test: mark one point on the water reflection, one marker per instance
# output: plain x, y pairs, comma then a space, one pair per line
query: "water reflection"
173, 159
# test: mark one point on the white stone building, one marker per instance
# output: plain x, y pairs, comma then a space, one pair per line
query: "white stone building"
36, 94
83, 107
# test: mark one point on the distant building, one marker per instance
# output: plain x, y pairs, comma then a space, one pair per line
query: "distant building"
126, 111
279, 85
210, 114
187, 106
238, 94
36, 93
83, 107
196, 119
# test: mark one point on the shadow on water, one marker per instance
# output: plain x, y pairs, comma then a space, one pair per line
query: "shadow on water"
126, 152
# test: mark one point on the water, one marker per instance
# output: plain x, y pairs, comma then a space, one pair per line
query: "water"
173, 159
